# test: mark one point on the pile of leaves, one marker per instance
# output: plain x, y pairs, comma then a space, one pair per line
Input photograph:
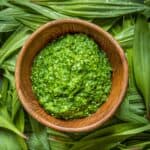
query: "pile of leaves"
128, 22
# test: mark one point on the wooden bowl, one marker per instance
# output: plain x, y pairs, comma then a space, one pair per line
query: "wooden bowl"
42, 37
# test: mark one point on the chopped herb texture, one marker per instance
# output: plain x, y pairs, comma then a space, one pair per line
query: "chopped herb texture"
71, 76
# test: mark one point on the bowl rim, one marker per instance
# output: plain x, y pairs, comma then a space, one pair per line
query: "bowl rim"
44, 121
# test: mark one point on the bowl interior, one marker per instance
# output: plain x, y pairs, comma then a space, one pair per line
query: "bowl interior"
42, 37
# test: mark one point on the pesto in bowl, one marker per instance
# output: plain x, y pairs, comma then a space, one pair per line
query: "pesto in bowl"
71, 77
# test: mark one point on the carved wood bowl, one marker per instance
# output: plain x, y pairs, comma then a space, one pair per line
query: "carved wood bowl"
39, 39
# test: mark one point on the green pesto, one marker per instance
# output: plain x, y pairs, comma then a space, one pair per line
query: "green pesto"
71, 77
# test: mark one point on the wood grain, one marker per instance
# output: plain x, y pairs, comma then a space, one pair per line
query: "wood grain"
46, 34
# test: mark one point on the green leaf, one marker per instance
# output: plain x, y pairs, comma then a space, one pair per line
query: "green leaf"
147, 2
58, 145
95, 8
132, 108
6, 123
10, 76
49, 13
106, 24
3, 92
3, 2
114, 129
111, 140
9, 141
15, 104
32, 25
20, 123
6, 26
123, 31
124, 113
59, 140
22, 143
19, 120
141, 59
9, 14
13, 43
140, 145
57, 133
9, 64
38, 138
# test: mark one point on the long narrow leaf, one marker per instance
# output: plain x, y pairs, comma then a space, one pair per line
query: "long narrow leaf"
49, 13
129, 111
6, 123
141, 59
14, 42
107, 142
8, 26
95, 8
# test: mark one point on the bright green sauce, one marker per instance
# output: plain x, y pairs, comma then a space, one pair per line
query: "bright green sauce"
71, 77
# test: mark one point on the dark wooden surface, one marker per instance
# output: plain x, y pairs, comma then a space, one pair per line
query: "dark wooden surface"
46, 34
